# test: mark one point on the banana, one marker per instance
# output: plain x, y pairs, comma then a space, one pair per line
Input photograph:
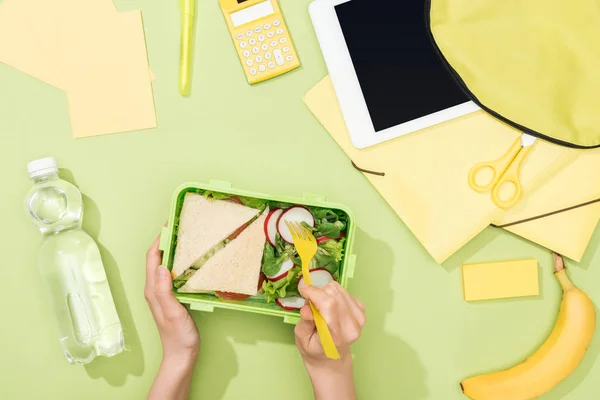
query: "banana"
554, 361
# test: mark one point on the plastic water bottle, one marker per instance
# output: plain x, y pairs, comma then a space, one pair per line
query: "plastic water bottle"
72, 268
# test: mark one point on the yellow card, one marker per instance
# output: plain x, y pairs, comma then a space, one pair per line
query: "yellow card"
500, 280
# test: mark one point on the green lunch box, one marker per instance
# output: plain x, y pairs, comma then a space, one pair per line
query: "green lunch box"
257, 305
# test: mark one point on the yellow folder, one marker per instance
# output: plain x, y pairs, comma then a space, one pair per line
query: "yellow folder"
424, 176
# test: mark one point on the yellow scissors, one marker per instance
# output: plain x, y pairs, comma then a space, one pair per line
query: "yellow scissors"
506, 171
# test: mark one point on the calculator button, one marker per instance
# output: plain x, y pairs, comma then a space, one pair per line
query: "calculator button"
243, 45
240, 36
258, 29
267, 27
262, 68
278, 57
253, 71
249, 33
246, 53
252, 41
255, 50
282, 40
276, 23
261, 38
268, 56
274, 43
259, 59
265, 47
249, 62
289, 58
271, 64
286, 49
270, 35
279, 31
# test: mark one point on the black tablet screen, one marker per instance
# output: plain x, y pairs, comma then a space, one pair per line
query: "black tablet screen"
401, 76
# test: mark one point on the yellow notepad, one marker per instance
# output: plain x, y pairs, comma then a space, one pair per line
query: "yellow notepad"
500, 280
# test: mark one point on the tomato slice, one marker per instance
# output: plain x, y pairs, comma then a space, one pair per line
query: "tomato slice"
239, 297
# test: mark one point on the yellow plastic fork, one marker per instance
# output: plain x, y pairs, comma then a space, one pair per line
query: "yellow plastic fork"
306, 245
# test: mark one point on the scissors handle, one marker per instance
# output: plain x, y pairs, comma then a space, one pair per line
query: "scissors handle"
511, 177
497, 167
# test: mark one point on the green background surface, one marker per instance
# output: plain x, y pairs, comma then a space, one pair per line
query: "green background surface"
421, 338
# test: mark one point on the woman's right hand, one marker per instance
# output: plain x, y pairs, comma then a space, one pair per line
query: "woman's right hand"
345, 317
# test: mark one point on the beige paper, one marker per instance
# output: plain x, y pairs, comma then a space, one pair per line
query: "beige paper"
97, 55
106, 77
19, 46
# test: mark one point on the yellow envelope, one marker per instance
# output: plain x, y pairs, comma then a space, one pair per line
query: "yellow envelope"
425, 174
563, 213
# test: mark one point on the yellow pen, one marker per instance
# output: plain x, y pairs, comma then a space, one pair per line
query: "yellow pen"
188, 9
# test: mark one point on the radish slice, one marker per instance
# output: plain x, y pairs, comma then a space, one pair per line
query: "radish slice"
325, 238
320, 277
271, 225
291, 303
283, 271
294, 214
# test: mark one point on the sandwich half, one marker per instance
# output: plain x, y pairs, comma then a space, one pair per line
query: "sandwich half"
236, 268
203, 224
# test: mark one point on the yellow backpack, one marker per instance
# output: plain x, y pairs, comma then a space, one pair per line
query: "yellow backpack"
534, 64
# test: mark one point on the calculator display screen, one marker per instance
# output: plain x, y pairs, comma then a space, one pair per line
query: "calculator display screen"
252, 13
401, 76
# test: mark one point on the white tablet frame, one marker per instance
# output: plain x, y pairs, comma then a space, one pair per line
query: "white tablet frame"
347, 86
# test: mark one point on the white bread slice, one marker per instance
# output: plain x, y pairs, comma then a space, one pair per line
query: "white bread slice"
236, 268
203, 224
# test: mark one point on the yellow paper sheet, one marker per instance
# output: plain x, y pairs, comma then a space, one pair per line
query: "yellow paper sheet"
501, 280
111, 91
97, 55
426, 173
19, 46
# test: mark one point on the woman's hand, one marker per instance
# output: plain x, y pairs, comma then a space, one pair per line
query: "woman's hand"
178, 331
345, 317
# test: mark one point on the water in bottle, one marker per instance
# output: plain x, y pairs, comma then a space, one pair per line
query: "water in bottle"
71, 268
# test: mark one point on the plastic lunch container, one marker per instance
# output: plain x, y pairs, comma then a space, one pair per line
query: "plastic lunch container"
257, 305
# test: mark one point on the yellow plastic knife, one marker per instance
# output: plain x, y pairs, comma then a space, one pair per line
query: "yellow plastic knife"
188, 11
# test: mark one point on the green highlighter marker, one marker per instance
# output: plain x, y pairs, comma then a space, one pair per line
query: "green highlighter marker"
188, 9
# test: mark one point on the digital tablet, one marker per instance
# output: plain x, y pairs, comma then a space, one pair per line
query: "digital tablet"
387, 76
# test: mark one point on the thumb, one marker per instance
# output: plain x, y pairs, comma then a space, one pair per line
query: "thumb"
314, 294
163, 290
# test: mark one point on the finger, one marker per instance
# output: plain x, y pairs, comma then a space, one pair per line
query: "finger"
319, 297
163, 290
354, 310
304, 331
153, 261
306, 313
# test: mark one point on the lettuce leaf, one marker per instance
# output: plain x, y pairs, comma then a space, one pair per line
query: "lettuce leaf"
209, 194
273, 257
328, 223
252, 202
285, 287
334, 248
329, 255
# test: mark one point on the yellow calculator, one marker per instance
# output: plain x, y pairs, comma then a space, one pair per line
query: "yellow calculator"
261, 38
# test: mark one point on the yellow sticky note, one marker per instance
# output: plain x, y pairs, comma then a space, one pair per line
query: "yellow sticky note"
500, 280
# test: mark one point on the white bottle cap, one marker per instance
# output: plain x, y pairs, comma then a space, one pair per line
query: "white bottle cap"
43, 166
